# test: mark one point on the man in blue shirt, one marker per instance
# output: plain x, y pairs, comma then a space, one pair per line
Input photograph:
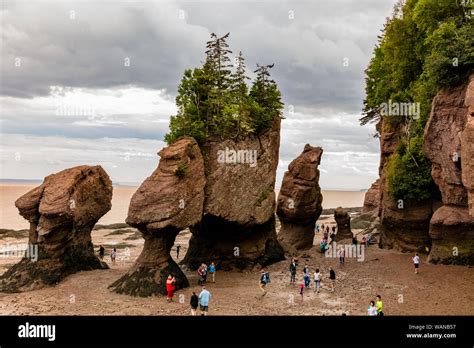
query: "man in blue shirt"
204, 298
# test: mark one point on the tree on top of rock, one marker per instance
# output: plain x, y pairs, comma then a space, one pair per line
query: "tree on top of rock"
214, 100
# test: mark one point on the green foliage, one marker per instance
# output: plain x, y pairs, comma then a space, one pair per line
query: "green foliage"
215, 101
181, 170
409, 173
427, 45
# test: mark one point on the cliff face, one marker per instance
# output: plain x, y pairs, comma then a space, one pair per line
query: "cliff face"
168, 201
444, 228
238, 224
372, 198
62, 212
404, 225
300, 199
449, 145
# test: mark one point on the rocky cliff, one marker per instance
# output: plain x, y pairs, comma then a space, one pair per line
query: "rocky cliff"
300, 199
62, 212
168, 201
372, 198
404, 225
445, 229
449, 145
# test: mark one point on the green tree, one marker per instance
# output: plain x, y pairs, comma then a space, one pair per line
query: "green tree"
266, 101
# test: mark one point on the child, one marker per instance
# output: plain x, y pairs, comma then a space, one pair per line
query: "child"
372, 310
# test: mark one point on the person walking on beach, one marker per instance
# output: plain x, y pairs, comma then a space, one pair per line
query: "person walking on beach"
342, 256
379, 306
372, 310
113, 255
332, 277
317, 280
293, 271
204, 267
170, 287
416, 262
177, 251
263, 282
212, 270
200, 272
101, 252
194, 302
204, 298
302, 292
306, 276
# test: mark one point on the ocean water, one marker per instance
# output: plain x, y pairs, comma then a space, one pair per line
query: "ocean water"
10, 219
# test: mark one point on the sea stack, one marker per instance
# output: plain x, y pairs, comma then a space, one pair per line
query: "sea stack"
343, 221
62, 212
300, 199
168, 201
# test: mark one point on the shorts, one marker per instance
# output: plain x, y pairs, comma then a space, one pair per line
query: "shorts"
204, 308
417, 265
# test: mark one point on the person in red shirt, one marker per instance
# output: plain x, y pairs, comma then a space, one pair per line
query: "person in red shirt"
170, 287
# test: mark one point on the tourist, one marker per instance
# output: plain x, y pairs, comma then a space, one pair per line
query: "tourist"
177, 251
204, 298
306, 276
302, 291
333, 237
204, 269
379, 306
113, 255
333, 229
194, 303
323, 245
342, 255
170, 287
416, 262
322, 227
364, 241
201, 274
372, 310
317, 280
293, 271
263, 282
101, 252
212, 270
354, 240
326, 233
332, 277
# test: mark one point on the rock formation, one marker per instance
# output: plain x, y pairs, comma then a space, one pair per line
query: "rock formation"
404, 225
62, 212
300, 199
170, 200
237, 228
449, 145
343, 221
372, 198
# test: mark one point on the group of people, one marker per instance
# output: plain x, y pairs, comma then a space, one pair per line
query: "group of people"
375, 307
204, 270
113, 254
202, 300
307, 277
327, 238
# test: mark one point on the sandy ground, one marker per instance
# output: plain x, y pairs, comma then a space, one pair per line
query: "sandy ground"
437, 290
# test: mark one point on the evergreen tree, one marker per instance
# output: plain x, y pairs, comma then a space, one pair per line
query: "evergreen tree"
266, 101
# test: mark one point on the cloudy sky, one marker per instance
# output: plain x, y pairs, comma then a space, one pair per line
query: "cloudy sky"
94, 82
